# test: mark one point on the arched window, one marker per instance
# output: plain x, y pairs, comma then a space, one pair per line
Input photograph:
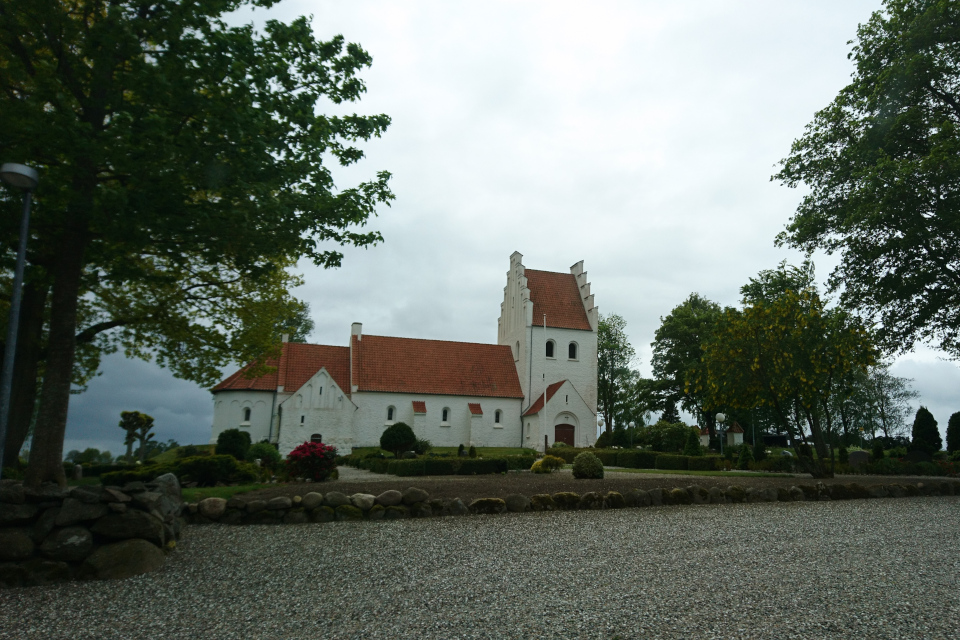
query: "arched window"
445, 415
316, 437
302, 418
246, 414
550, 348
496, 417
390, 412
572, 351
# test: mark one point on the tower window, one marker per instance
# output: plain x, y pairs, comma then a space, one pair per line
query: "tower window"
246, 414
572, 351
550, 348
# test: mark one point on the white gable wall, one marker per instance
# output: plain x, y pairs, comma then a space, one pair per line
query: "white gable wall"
565, 407
320, 406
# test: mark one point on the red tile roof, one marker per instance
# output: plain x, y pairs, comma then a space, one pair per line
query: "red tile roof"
408, 365
419, 406
558, 296
475, 408
705, 431
536, 406
736, 428
297, 363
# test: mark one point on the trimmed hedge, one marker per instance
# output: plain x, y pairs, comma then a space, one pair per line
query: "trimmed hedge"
637, 459
607, 456
519, 463
668, 461
567, 453
482, 466
703, 463
441, 466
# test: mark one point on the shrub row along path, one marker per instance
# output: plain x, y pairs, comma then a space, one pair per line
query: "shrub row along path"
469, 488
879, 569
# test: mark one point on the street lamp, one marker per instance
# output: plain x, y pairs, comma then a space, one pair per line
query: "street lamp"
720, 418
632, 425
19, 176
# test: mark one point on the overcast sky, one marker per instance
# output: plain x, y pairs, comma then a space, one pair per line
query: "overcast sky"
637, 136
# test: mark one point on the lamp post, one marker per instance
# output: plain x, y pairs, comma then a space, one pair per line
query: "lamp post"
632, 425
25, 178
720, 418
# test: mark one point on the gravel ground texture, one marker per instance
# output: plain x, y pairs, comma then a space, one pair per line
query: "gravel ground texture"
854, 569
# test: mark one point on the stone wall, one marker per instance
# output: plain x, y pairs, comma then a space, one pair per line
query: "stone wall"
416, 503
87, 532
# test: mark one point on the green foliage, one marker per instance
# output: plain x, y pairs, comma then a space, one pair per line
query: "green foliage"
636, 459
587, 466
482, 466
876, 451
137, 427
953, 433
692, 446
233, 442
703, 463
616, 377
604, 441
144, 473
268, 455
547, 464
398, 438
759, 451
843, 456
405, 468
925, 436
207, 471
668, 461
440, 466
745, 457
607, 457
460, 450
421, 446
473, 451
565, 453
880, 167
670, 437
89, 456
678, 351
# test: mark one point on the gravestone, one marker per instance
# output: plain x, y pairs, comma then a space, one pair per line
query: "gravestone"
858, 459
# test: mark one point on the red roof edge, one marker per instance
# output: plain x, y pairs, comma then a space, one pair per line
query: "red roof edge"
419, 406
538, 405
475, 408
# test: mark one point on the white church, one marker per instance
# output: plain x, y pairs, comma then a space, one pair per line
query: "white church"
536, 386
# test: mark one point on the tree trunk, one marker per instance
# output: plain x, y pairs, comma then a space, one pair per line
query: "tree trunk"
23, 396
46, 452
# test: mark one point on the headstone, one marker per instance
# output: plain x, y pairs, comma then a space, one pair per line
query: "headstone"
78, 472
858, 459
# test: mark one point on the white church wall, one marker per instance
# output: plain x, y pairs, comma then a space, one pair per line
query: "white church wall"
228, 413
460, 428
581, 371
565, 407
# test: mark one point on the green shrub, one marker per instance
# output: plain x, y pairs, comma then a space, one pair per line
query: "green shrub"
566, 453
876, 451
605, 440
692, 446
607, 457
136, 474
421, 446
473, 451
207, 471
96, 470
482, 466
885, 467
517, 463
233, 442
666, 436
406, 468
745, 457
668, 461
440, 466
192, 450
547, 464
843, 455
703, 463
398, 438
269, 457
759, 451
460, 451
587, 466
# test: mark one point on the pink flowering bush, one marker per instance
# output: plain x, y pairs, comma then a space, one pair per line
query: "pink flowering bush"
313, 460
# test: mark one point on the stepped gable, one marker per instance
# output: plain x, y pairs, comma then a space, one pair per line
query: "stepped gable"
298, 362
437, 367
558, 296
536, 406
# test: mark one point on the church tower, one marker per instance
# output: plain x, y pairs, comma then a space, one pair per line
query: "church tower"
549, 321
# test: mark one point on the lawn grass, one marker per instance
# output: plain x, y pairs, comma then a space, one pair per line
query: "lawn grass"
199, 493
681, 472
489, 452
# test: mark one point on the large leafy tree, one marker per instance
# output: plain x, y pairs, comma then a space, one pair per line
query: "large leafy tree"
790, 355
616, 377
183, 169
882, 163
678, 352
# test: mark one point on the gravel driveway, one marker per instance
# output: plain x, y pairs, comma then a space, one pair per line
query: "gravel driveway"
854, 569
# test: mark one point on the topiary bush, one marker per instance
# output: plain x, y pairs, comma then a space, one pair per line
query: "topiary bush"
692, 446
745, 457
207, 471
313, 460
233, 442
398, 438
421, 446
667, 461
587, 466
876, 452
843, 455
703, 463
268, 455
547, 464
473, 451
608, 457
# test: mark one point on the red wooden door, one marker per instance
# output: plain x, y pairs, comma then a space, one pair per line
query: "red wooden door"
563, 433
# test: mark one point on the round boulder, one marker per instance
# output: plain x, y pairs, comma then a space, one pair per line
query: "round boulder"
362, 501
122, 560
312, 500
390, 498
212, 508
517, 503
70, 544
15, 544
412, 495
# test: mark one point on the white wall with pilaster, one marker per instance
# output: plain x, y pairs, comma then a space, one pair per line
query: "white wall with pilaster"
318, 407
228, 413
460, 427
565, 407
